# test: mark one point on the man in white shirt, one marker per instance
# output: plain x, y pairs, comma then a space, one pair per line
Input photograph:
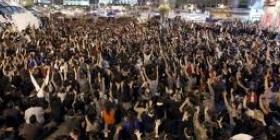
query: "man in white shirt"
241, 137
37, 111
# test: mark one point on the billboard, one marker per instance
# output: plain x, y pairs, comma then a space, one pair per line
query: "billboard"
271, 18
131, 2
27, 2
76, 2
44, 1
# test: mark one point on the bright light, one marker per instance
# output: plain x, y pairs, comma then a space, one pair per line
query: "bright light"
191, 7
257, 10
221, 5
277, 6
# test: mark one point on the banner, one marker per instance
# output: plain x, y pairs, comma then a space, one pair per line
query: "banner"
44, 1
76, 2
271, 17
130, 2
194, 17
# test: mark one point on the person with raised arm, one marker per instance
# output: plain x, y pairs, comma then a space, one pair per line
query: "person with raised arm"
152, 83
41, 93
231, 107
199, 129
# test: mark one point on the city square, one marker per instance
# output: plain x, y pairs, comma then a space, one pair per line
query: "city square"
140, 69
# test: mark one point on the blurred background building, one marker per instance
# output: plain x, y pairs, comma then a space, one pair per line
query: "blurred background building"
173, 3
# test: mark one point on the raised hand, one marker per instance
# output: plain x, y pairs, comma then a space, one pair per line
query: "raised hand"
185, 116
138, 134
209, 81
31, 71
158, 122
220, 122
118, 129
197, 109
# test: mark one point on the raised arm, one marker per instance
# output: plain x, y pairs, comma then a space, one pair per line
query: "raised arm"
211, 90
65, 71
226, 101
229, 109
53, 82
238, 76
198, 128
266, 87
144, 74
76, 73
157, 74
101, 86
47, 79
267, 54
245, 102
263, 105
34, 82
208, 63
40, 93
184, 67
187, 100
3, 35
207, 117
138, 134
157, 124
116, 135
1, 65
248, 62
89, 78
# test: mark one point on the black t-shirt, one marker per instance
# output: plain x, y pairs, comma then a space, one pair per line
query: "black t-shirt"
57, 110
147, 123
16, 81
173, 112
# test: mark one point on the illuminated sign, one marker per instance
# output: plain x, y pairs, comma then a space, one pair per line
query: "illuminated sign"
44, 1
131, 2
76, 2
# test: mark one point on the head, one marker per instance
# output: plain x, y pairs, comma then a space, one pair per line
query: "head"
33, 119
74, 134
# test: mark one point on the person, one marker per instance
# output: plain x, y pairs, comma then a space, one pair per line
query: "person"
34, 110
32, 130
74, 135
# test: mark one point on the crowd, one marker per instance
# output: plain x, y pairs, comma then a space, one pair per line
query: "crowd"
79, 78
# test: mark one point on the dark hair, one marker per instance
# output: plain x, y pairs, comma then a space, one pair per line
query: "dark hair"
63, 137
75, 132
33, 119
33, 102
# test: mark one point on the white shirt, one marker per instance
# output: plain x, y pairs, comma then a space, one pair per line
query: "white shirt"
147, 58
61, 96
37, 111
153, 85
241, 137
